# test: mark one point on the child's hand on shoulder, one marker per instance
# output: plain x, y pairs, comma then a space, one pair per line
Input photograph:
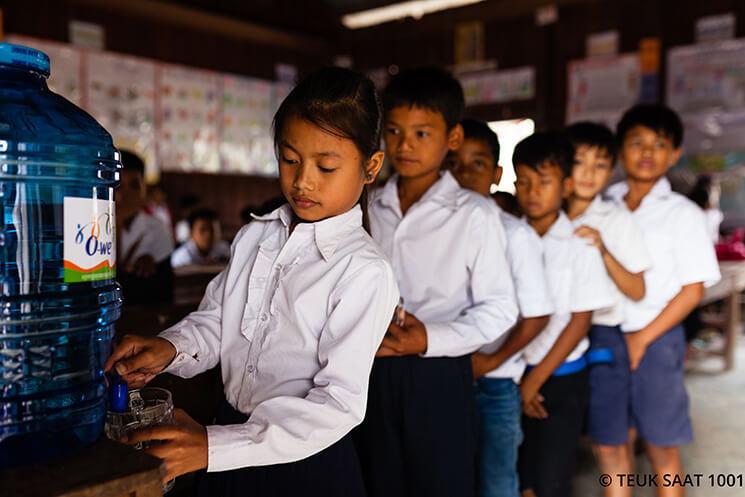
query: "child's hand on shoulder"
409, 339
139, 359
592, 236
184, 447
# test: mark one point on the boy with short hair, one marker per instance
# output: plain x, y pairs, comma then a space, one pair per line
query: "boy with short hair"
554, 388
619, 240
205, 246
447, 246
145, 243
498, 366
683, 262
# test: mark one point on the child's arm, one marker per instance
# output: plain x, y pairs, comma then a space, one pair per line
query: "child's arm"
571, 335
285, 428
520, 336
630, 284
674, 312
494, 310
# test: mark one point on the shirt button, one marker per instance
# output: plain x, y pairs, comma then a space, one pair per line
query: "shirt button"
264, 317
249, 369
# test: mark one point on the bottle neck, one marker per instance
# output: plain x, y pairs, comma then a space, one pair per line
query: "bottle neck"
10, 75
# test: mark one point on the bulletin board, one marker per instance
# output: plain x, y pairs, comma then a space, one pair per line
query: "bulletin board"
177, 118
499, 86
600, 89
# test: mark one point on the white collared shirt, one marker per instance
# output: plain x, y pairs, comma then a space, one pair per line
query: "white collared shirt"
525, 257
677, 239
448, 255
624, 240
151, 236
295, 321
578, 283
188, 254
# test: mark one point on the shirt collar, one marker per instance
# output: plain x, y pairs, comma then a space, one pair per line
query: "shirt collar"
562, 227
445, 191
599, 206
660, 190
327, 233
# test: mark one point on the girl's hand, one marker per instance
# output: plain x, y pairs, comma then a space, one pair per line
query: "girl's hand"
532, 399
138, 359
592, 236
480, 364
185, 445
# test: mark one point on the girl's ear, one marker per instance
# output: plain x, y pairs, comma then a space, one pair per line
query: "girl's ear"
373, 166
455, 137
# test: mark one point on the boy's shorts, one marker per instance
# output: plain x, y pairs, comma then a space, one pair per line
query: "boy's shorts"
608, 414
653, 398
659, 401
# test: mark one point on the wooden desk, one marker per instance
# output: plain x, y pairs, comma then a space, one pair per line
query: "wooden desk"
728, 290
105, 469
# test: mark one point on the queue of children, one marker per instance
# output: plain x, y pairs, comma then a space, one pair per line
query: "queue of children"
511, 333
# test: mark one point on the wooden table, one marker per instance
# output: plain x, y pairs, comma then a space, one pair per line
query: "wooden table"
728, 290
105, 469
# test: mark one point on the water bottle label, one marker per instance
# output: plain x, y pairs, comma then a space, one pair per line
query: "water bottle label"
90, 240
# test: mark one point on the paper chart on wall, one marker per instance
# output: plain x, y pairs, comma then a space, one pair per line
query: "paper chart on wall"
189, 115
246, 144
121, 96
600, 89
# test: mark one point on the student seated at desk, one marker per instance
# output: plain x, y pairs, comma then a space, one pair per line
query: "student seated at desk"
204, 245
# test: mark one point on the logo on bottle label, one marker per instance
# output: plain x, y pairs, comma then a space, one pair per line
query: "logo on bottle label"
90, 240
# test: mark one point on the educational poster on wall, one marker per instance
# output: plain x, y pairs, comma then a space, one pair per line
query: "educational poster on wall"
189, 113
498, 86
121, 96
600, 89
706, 77
65, 63
246, 144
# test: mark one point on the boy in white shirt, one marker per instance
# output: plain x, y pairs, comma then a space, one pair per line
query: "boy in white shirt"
205, 246
145, 243
683, 262
499, 366
447, 248
620, 242
554, 388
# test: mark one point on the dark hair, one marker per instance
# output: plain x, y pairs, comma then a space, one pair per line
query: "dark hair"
593, 135
430, 88
474, 129
657, 117
547, 146
701, 191
132, 162
507, 202
201, 213
341, 102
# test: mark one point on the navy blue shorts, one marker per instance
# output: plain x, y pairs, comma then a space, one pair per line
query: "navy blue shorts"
653, 398
659, 401
609, 415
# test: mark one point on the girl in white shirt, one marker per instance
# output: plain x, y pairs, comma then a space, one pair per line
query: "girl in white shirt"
294, 320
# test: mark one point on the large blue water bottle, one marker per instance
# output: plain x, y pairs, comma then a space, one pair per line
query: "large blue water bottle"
58, 297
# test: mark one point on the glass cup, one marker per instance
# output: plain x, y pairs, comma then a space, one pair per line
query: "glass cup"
147, 407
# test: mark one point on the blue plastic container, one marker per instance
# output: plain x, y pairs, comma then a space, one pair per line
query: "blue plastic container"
58, 297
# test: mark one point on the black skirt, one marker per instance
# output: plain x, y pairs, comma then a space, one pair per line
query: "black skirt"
333, 472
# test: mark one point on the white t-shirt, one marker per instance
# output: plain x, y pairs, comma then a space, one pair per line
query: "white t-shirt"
577, 281
188, 254
525, 257
294, 321
146, 235
624, 240
678, 241
448, 255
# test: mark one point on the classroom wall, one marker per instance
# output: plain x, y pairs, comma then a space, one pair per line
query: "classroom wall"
513, 40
